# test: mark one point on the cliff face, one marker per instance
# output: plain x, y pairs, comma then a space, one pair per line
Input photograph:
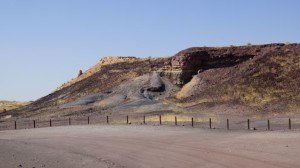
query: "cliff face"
263, 77
195, 60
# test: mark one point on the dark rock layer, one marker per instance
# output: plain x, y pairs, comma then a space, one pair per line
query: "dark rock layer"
194, 60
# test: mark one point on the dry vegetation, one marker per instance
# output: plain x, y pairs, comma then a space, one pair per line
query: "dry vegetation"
269, 83
9, 105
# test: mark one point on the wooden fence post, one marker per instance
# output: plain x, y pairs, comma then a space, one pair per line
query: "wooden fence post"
88, 120
290, 124
33, 123
127, 120
210, 123
192, 122
268, 124
248, 123
50, 122
107, 120
175, 120
144, 119
15, 125
227, 124
159, 119
69, 121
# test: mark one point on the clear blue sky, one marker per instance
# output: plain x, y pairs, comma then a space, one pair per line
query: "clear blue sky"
44, 43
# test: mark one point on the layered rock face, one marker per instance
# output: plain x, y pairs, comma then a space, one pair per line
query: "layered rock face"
195, 60
266, 82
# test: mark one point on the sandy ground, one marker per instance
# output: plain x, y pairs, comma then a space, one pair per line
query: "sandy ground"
147, 146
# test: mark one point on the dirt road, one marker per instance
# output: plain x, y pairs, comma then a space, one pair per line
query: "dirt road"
147, 146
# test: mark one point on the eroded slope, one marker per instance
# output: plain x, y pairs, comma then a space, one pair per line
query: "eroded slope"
253, 79
268, 82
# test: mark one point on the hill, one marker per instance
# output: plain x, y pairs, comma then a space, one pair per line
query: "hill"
263, 78
252, 79
100, 79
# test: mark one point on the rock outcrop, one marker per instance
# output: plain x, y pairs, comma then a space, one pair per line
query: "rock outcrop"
79, 73
195, 60
269, 82
156, 87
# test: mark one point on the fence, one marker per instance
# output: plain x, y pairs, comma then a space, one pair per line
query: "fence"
171, 120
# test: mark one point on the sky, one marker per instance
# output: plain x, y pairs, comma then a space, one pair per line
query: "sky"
43, 44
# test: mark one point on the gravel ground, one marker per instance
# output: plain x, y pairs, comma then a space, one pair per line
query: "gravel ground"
147, 146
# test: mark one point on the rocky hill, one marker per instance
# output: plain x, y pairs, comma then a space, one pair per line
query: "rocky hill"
252, 79
101, 78
264, 78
